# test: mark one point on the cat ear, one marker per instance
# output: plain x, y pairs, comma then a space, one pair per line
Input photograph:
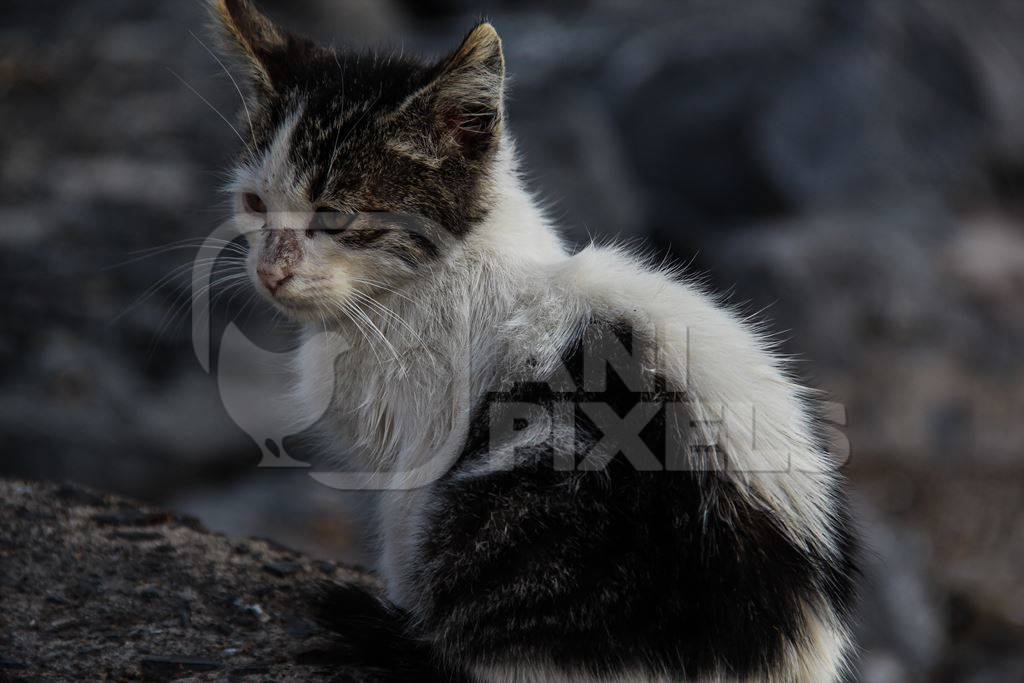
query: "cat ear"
269, 55
463, 103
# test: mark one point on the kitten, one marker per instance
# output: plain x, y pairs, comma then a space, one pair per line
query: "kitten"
589, 471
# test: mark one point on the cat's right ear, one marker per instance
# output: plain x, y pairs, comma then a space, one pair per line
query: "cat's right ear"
269, 56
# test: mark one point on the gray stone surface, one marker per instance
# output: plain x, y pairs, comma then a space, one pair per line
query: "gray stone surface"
96, 587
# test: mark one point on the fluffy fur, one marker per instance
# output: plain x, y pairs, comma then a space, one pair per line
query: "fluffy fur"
669, 515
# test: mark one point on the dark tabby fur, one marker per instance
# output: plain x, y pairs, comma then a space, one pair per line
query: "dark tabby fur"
348, 98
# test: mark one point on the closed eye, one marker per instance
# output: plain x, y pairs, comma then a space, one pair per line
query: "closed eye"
329, 221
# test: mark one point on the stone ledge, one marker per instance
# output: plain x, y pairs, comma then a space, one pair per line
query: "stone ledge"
94, 587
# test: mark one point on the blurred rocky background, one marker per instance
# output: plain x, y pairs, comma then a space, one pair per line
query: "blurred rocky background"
854, 169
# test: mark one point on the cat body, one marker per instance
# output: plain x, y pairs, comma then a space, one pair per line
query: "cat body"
588, 469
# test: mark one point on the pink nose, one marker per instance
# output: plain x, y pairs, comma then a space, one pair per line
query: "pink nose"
273, 276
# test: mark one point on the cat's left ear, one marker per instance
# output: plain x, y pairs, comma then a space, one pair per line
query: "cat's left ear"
271, 56
463, 104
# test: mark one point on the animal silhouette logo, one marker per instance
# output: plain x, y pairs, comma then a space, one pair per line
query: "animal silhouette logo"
253, 384
256, 384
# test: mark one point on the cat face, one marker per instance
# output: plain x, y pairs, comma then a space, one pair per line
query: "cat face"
358, 171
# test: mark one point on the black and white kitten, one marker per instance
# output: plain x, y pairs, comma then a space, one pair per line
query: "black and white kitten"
589, 470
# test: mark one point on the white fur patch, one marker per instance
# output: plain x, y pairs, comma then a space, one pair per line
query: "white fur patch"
273, 176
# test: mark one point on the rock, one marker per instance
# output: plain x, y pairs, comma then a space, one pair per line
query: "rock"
281, 569
313, 519
174, 666
133, 518
64, 624
181, 620
137, 535
585, 165
880, 107
302, 627
11, 665
900, 624
251, 670
906, 326
112, 173
78, 495
251, 614
149, 593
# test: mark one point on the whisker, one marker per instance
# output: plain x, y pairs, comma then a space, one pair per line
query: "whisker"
237, 281
150, 291
344, 308
381, 285
194, 241
323, 320
236, 253
184, 299
377, 331
208, 104
245, 106
384, 310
